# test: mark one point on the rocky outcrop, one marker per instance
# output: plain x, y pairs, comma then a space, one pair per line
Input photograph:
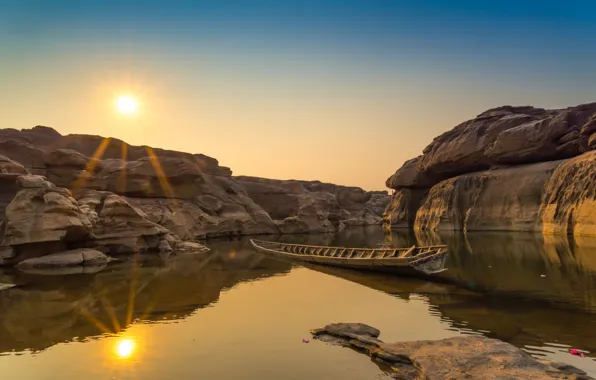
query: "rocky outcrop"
461, 357
75, 257
379, 200
569, 200
502, 199
43, 216
500, 171
302, 206
43, 219
80, 191
402, 207
188, 194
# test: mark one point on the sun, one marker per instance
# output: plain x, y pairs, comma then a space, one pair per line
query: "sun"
127, 105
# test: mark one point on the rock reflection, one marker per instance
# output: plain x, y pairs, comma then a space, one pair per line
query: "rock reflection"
522, 288
45, 310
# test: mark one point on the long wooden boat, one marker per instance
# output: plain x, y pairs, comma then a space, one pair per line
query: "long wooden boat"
412, 260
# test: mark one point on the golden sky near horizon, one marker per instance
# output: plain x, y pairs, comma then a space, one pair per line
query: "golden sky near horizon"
350, 128
341, 92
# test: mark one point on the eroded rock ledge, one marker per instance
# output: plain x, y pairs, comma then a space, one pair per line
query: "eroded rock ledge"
510, 168
469, 357
59, 193
299, 206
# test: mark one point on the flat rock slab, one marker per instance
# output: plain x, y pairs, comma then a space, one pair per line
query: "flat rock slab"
75, 257
5, 286
191, 247
466, 357
61, 271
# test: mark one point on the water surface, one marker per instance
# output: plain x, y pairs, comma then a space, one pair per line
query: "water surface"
237, 314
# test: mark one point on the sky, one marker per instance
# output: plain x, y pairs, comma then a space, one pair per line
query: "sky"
337, 91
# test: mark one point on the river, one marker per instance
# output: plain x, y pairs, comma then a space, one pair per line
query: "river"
235, 313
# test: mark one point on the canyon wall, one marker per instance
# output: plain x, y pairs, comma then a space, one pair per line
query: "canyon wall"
510, 168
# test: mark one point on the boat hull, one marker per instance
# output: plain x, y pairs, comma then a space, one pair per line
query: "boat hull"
426, 265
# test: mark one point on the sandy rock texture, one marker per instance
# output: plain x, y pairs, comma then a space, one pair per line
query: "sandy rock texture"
510, 168
303, 206
465, 357
60, 193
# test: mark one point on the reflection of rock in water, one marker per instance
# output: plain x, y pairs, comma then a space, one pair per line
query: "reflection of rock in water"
515, 321
499, 290
45, 310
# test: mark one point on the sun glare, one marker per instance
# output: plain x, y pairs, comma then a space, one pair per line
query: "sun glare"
127, 105
125, 348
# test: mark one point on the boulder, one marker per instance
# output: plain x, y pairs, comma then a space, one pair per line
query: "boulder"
505, 135
191, 247
461, 357
75, 257
41, 212
9, 166
118, 226
409, 176
569, 201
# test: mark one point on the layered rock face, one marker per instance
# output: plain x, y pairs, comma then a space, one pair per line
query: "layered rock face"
510, 168
61, 193
462, 357
302, 206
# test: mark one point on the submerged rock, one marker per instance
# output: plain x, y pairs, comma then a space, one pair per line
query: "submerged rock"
191, 247
465, 357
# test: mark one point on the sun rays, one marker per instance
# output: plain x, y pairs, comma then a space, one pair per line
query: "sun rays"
106, 318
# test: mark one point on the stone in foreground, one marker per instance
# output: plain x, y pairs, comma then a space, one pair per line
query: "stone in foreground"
466, 357
5, 286
75, 257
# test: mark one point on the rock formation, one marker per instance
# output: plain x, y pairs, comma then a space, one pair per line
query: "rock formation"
81, 191
302, 206
510, 168
452, 358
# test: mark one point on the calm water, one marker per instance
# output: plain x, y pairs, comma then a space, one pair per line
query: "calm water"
237, 314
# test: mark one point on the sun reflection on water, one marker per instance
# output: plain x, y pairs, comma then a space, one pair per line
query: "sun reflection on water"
125, 348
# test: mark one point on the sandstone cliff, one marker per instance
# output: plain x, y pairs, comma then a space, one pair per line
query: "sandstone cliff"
298, 206
510, 168
79, 191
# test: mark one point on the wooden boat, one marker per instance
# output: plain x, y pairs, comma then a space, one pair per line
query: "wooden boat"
413, 260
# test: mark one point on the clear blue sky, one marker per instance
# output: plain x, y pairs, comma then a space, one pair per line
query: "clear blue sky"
340, 91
